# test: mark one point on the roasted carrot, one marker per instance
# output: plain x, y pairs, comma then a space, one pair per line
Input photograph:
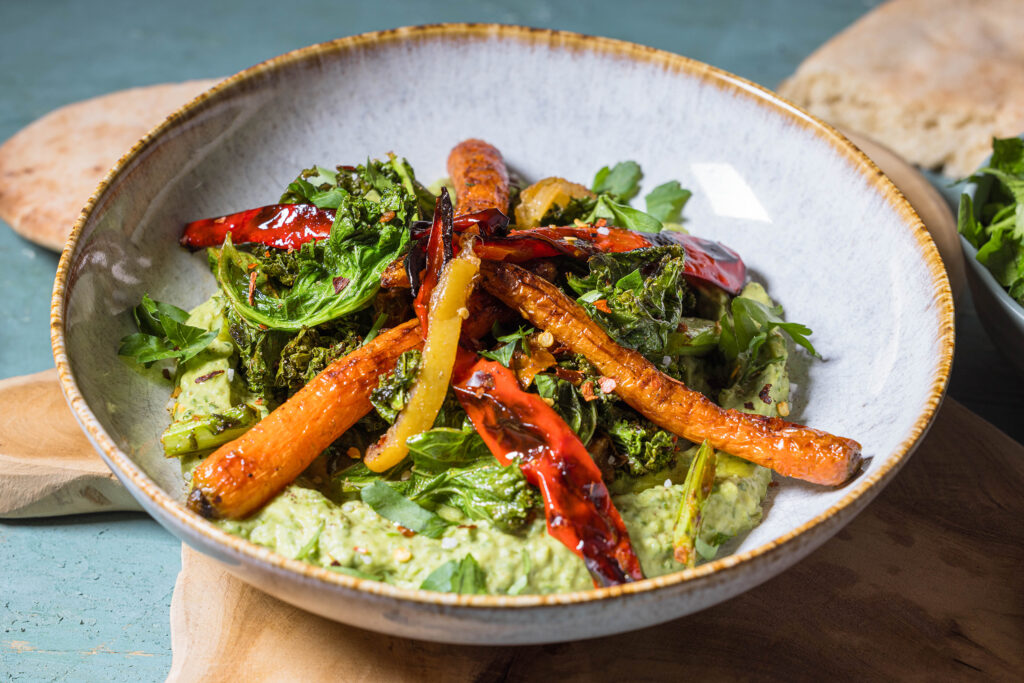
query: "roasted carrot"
479, 175
790, 449
245, 473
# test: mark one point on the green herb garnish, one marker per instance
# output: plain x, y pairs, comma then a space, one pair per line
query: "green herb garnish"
163, 334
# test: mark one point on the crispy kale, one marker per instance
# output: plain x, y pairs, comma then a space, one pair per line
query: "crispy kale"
638, 297
579, 413
276, 364
312, 350
641, 447
323, 187
393, 388
329, 278
392, 392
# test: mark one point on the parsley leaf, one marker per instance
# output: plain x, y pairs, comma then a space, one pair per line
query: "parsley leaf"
622, 180
746, 329
457, 576
666, 201
503, 354
163, 334
623, 215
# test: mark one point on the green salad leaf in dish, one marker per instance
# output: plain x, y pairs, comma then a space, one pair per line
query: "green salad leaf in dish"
996, 229
611, 396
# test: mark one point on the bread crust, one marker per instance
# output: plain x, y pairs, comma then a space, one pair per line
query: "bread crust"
933, 80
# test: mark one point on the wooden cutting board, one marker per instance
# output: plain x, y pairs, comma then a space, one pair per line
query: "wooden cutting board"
48, 467
926, 583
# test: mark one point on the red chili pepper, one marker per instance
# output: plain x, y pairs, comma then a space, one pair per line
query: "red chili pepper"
519, 427
285, 226
288, 226
706, 261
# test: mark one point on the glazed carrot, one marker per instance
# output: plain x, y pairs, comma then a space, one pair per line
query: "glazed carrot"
245, 473
479, 175
790, 449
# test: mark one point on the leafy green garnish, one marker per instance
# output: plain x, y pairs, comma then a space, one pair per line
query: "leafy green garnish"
694, 337
276, 364
666, 201
503, 354
313, 544
614, 188
163, 334
623, 215
996, 229
622, 180
327, 188
391, 504
457, 576
745, 328
453, 467
642, 446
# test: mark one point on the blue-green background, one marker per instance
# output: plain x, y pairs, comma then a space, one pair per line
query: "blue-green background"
87, 598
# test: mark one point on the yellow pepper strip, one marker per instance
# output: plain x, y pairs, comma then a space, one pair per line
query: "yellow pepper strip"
444, 323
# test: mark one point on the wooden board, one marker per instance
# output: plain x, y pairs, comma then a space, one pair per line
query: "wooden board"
926, 583
47, 465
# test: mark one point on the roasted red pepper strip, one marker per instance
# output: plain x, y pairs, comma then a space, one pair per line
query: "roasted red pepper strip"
288, 226
284, 226
518, 427
439, 252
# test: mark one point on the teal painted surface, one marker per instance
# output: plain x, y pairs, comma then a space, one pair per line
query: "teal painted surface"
87, 598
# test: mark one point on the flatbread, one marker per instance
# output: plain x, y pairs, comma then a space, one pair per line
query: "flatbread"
933, 80
49, 169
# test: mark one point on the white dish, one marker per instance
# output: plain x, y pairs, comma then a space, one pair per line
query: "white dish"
813, 218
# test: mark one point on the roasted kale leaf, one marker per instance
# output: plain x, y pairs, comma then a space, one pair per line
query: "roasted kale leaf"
639, 297
329, 278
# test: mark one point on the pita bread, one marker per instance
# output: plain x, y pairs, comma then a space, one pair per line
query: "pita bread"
934, 80
49, 169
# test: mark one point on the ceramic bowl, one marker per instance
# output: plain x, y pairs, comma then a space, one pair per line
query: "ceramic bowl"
1001, 316
815, 220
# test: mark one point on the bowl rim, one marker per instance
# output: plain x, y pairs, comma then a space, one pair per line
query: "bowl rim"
722, 567
984, 185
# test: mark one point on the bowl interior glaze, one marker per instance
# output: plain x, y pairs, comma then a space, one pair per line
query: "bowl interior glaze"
830, 237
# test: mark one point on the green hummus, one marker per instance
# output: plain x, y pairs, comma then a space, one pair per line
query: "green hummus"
313, 522
302, 523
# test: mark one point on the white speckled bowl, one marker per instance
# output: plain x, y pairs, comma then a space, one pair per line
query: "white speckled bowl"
814, 219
